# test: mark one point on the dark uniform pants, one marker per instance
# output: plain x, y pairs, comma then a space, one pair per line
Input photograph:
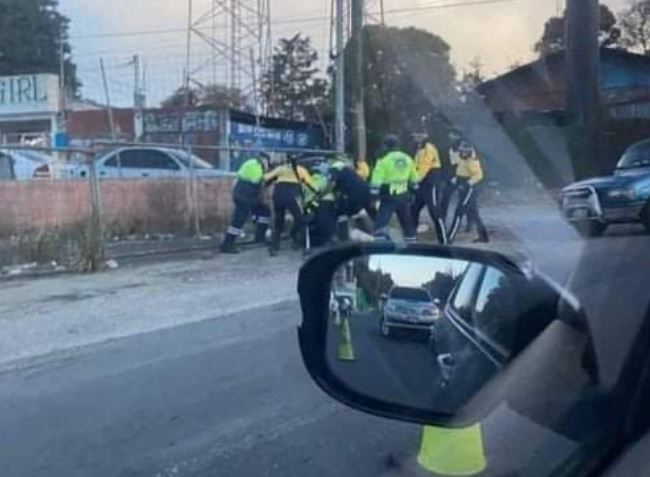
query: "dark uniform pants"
349, 206
468, 205
429, 195
243, 210
287, 197
323, 227
400, 205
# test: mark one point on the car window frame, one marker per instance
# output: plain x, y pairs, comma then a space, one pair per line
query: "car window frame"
467, 321
479, 333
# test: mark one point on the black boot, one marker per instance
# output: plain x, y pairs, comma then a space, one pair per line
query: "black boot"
260, 233
228, 245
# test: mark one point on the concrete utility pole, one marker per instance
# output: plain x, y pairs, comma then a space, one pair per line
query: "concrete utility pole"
583, 82
358, 11
339, 88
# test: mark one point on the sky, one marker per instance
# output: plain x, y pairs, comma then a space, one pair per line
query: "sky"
413, 271
500, 33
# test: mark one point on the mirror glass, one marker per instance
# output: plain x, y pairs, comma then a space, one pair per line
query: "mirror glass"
424, 332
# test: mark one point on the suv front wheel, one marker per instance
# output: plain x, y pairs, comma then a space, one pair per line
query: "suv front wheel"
591, 228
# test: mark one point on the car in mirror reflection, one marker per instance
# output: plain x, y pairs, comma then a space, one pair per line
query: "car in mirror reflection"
408, 309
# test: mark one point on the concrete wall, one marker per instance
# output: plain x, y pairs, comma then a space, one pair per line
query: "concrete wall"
128, 207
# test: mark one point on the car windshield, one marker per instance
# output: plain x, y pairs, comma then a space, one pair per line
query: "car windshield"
410, 294
637, 156
148, 313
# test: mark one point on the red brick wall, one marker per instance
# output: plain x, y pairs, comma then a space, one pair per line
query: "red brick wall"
127, 206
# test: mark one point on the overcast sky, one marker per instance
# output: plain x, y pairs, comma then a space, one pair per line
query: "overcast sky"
500, 34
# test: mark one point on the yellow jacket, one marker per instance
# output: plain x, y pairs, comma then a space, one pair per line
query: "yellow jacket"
363, 170
287, 175
469, 169
427, 159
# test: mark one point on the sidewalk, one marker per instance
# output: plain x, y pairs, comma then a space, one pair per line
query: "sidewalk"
38, 317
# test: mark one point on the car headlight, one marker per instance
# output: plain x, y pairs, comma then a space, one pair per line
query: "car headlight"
430, 315
622, 194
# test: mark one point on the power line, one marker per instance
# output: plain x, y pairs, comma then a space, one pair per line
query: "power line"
436, 6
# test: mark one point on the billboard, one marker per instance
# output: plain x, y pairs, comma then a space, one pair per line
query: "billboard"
29, 94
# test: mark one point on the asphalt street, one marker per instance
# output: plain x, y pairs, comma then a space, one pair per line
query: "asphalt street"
401, 368
224, 397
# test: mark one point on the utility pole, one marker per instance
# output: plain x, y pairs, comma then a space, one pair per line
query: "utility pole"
339, 89
358, 12
582, 64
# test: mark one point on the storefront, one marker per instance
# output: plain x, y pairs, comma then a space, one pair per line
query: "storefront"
29, 109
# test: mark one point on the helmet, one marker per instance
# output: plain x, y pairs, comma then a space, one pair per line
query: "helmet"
466, 150
391, 142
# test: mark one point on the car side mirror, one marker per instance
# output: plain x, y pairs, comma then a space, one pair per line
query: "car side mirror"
399, 352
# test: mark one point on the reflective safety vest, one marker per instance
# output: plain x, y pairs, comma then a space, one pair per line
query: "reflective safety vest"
324, 188
470, 170
286, 174
427, 159
397, 172
249, 182
251, 171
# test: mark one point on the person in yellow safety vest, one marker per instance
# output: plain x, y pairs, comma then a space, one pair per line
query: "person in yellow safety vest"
469, 175
362, 169
429, 166
393, 181
287, 196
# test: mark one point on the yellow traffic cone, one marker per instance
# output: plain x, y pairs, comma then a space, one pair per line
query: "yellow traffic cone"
452, 451
337, 318
346, 350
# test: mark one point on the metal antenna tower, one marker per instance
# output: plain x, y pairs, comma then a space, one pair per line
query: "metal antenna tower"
375, 12
233, 31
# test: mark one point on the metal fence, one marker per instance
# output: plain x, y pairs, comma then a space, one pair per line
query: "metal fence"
77, 207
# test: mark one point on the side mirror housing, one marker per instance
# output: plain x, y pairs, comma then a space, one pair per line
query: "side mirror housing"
422, 359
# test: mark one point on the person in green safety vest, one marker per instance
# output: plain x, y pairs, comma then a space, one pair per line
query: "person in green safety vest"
247, 199
323, 225
393, 182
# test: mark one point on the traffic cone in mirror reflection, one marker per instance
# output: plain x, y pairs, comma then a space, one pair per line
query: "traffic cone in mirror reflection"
346, 350
337, 318
452, 451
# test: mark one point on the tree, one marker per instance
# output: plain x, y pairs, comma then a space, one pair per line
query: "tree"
215, 95
292, 87
407, 78
474, 75
33, 34
552, 40
635, 26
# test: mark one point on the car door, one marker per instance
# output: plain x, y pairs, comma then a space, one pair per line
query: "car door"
6, 167
465, 354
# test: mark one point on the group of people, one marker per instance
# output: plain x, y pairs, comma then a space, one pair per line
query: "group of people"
325, 198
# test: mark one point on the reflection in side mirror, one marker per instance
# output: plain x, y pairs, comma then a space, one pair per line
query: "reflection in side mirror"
426, 333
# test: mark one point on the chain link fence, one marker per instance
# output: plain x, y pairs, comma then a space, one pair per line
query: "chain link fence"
76, 208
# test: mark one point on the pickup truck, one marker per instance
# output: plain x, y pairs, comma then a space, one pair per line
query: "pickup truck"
624, 197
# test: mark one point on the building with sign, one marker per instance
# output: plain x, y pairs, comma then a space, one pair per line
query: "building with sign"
29, 108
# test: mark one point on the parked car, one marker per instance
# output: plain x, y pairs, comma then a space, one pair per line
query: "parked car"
408, 309
149, 163
475, 337
27, 165
624, 197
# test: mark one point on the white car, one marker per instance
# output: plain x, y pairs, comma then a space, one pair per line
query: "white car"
27, 165
149, 163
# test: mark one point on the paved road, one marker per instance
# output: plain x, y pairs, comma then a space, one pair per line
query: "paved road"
222, 397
